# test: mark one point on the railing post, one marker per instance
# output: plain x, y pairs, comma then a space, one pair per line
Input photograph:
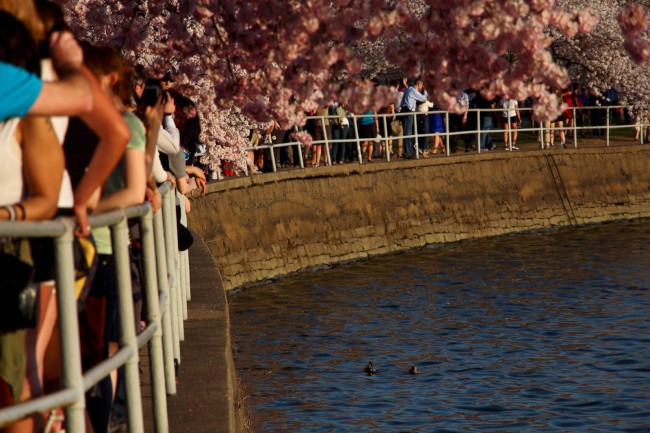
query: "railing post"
181, 274
478, 129
607, 126
541, 134
642, 126
298, 146
178, 280
69, 328
120, 237
186, 262
327, 145
416, 144
575, 128
163, 284
246, 172
271, 151
509, 128
157, 370
169, 210
356, 137
386, 133
447, 133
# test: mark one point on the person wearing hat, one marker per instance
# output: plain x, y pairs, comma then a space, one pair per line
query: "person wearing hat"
167, 81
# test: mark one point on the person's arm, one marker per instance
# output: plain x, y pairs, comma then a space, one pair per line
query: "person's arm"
43, 164
517, 111
157, 171
195, 171
169, 139
153, 116
71, 94
113, 133
420, 97
166, 142
183, 185
199, 176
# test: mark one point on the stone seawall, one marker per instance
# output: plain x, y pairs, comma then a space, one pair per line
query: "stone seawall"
267, 226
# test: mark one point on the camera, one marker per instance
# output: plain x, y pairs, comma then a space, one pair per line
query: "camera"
151, 93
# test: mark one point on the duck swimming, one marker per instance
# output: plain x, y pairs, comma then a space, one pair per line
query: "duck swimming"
370, 370
414, 370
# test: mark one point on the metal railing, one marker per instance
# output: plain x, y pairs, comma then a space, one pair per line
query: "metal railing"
166, 290
542, 130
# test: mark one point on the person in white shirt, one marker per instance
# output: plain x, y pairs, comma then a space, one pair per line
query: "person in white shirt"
412, 96
509, 119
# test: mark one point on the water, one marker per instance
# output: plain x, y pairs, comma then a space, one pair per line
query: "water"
542, 332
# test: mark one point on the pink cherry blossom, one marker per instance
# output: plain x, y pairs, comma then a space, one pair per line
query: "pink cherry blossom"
242, 61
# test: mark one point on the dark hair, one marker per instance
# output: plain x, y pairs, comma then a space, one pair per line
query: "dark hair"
103, 61
52, 17
167, 78
18, 46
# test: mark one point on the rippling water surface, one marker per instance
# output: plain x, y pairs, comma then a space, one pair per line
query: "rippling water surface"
532, 333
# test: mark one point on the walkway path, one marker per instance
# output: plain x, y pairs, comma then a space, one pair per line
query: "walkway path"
206, 382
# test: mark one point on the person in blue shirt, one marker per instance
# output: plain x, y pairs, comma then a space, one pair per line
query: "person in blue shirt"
412, 96
368, 127
24, 93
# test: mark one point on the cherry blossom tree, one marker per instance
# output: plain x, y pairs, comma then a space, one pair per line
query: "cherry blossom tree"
597, 59
246, 61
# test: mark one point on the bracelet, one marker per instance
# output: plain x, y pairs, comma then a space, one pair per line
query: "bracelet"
12, 212
23, 216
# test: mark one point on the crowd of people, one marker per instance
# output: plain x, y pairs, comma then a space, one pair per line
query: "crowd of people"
385, 131
80, 133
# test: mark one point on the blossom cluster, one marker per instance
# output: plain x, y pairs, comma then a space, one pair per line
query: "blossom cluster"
250, 61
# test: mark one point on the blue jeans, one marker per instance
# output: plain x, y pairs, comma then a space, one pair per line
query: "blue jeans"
409, 143
486, 125
338, 148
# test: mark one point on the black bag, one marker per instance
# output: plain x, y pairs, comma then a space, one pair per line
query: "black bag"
18, 293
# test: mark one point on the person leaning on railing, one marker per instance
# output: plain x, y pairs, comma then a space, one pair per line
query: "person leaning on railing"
125, 187
510, 117
321, 132
386, 144
30, 155
368, 126
412, 96
340, 130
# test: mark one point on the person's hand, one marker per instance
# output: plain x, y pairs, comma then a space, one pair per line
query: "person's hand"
81, 211
172, 179
201, 184
153, 115
66, 52
153, 196
169, 107
195, 171
81, 217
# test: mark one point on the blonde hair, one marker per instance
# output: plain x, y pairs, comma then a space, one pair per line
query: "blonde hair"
25, 12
